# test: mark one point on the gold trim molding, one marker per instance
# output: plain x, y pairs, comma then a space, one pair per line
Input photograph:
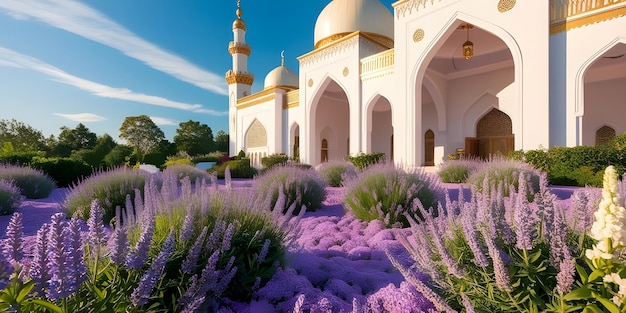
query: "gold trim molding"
239, 24
579, 21
239, 47
505, 5
340, 45
384, 40
239, 77
403, 7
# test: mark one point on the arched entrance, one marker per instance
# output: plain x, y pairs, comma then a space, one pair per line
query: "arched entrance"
494, 136
604, 95
331, 117
295, 141
381, 129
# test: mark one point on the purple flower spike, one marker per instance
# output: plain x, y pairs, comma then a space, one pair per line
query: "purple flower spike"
149, 279
499, 268
119, 246
191, 261
137, 258
61, 270
525, 224
187, 229
565, 277
39, 267
96, 236
13, 244
76, 253
266, 247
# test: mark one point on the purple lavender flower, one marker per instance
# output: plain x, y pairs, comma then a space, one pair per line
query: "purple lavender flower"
39, 267
266, 247
191, 261
228, 237
194, 305
469, 230
446, 258
149, 279
119, 246
565, 277
559, 250
137, 257
525, 224
13, 243
499, 268
187, 229
74, 245
96, 236
469, 308
61, 269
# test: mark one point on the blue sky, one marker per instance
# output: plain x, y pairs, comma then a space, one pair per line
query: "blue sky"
95, 62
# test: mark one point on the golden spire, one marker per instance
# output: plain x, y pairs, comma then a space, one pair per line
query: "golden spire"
282, 58
239, 23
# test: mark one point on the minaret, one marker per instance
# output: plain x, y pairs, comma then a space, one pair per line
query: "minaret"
238, 78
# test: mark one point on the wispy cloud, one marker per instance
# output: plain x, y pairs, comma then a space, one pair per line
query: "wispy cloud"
82, 117
160, 121
82, 20
15, 59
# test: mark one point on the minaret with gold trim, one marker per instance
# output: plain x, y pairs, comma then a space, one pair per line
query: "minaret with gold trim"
238, 78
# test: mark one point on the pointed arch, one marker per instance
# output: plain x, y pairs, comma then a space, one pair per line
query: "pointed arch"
329, 110
604, 135
379, 126
256, 135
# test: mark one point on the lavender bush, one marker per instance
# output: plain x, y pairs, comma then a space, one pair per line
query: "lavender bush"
496, 253
458, 170
333, 171
179, 171
110, 188
33, 183
300, 186
387, 193
506, 172
10, 197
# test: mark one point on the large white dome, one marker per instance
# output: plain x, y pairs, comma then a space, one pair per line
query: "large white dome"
281, 76
343, 17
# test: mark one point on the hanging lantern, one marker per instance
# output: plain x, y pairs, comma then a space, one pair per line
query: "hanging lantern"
468, 46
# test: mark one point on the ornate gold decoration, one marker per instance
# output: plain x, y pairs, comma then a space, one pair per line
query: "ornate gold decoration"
310, 83
505, 5
343, 44
566, 15
418, 35
346, 71
239, 24
332, 38
293, 99
403, 7
238, 77
239, 47
377, 65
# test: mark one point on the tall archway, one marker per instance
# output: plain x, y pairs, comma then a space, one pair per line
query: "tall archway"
604, 93
331, 115
381, 127
295, 141
445, 75
256, 143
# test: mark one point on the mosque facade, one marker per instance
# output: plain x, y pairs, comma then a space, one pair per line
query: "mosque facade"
436, 77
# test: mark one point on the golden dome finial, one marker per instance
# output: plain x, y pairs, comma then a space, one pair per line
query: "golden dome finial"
239, 11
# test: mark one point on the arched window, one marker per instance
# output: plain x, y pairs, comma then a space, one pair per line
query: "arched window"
604, 135
429, 148
324, 150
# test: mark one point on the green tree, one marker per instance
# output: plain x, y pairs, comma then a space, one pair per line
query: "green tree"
221, 142
141, 133
194, 138
78, 138
21, 136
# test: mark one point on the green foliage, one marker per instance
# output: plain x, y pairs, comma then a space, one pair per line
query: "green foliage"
222, 142
110, 188
180, 171
238, 169
387, 193
22, 137
155, 158
194, 138
33, 183
506, 173
19, 157
365, 160
274, 160
177, 160
333, 172
141, 133
64, 171
10, 197
241, 154
78, 138
117, 156
458, 170
298, 186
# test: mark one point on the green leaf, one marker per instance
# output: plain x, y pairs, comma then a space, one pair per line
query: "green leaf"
578, 294
23, 292
592, 308
100, 293
582, 273
50, 306
596, 274
608, 304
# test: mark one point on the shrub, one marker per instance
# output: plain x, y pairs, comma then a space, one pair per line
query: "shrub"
387, 193
19, 157
238, 229
117, 156
333, 171
177, 161
457, 170
33, 183
273, 160
299, 186
10, 197
363, 160
238, 169
110, 188
155, 158
499, 257
505, 172
180, 171
64, 171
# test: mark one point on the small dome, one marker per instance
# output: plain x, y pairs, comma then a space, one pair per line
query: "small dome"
281, 76
343, 17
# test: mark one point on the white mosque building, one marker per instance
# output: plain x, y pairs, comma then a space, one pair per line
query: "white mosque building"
436, 76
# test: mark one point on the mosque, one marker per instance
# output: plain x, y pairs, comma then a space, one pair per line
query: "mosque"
437, 77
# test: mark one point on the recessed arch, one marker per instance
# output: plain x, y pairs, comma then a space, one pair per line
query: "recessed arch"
329, 112
379, 123
256, 142
604, 135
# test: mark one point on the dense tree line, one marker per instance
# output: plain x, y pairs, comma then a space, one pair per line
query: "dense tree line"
145, 142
